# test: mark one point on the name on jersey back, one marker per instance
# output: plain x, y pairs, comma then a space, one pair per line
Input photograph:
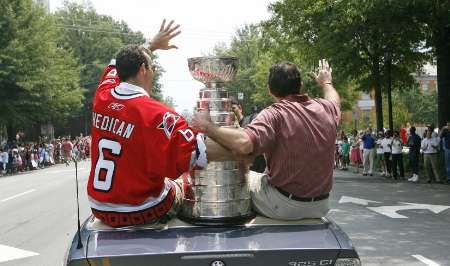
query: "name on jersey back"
112, 124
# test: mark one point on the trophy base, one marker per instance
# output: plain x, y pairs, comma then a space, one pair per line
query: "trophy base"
215, 221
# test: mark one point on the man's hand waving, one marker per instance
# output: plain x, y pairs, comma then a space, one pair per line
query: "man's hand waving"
162, 39
323, 74
325, 81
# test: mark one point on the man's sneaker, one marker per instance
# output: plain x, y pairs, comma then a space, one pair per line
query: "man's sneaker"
414, 179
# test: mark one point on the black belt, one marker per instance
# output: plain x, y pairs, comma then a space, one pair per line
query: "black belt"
293, 197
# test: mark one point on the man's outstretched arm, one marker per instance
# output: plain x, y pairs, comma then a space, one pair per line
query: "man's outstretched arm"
217, 152
234, 139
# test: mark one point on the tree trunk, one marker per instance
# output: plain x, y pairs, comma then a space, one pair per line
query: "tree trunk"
389, 91
443, 75
378, 96
11, 132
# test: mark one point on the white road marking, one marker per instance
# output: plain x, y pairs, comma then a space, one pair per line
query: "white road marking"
68, 170
425, 260
18, 195
345, 199
10, 253
391, 211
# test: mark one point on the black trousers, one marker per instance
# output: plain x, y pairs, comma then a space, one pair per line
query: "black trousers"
397, 160
414, 162
387, 160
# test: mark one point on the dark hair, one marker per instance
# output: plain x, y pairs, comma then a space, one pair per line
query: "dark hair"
412, 130
284, 79
235, 102
388, 133
128, 61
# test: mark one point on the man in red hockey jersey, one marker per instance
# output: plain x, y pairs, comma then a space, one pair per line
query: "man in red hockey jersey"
139, 145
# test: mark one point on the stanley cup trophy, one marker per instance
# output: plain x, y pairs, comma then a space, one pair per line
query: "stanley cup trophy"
218, 194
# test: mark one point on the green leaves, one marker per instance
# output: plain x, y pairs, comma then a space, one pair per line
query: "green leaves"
94, 40
356, 36
36, 77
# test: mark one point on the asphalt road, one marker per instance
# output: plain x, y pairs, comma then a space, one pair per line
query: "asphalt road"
38, 217
422, 237
38, 214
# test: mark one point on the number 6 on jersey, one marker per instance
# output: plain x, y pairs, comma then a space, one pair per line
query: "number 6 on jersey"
107, 165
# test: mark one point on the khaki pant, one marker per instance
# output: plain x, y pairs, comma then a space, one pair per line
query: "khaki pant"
368, 158
430, 160
268, 201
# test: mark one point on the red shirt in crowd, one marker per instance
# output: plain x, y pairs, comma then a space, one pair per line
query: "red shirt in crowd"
67, 146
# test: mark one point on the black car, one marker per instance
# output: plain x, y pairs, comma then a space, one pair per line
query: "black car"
261, 241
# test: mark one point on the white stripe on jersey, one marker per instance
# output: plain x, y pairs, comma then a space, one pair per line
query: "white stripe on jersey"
126, 91
150, 202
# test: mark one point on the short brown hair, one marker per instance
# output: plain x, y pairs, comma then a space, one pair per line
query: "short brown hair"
129, 59
284, 79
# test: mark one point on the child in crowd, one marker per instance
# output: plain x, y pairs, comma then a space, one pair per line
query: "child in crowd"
345, 147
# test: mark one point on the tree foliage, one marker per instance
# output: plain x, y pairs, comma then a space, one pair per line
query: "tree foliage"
38, 81
258, 47
95, 39
357, 37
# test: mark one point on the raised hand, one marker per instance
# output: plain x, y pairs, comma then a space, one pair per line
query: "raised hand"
323, 74
162, 39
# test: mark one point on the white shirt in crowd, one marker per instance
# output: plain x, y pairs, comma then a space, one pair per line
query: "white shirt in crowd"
379, 147
397, 146
386, 145
5, 156
430, 145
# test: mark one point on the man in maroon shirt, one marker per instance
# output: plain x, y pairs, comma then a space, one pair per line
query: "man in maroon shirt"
297, 136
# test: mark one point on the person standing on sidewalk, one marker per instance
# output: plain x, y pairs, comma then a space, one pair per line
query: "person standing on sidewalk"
355, 155
445, 137
397, 156
414, 142
380, 154
430, 148
345, 146
369, 152
386, 143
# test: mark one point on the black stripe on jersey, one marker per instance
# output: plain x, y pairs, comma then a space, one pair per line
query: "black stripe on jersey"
131, 94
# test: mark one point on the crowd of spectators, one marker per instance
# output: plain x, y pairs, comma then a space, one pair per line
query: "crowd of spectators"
385, 151
20, 156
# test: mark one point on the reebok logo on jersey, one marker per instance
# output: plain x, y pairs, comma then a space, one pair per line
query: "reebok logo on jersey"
168, 123
116, 106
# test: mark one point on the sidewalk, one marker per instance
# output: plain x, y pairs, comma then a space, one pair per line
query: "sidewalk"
351, 173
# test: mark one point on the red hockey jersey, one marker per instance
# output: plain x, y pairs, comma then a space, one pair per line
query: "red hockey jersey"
136, 143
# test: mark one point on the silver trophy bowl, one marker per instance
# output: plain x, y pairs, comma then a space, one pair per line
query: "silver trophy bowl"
219, 193
213, 70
